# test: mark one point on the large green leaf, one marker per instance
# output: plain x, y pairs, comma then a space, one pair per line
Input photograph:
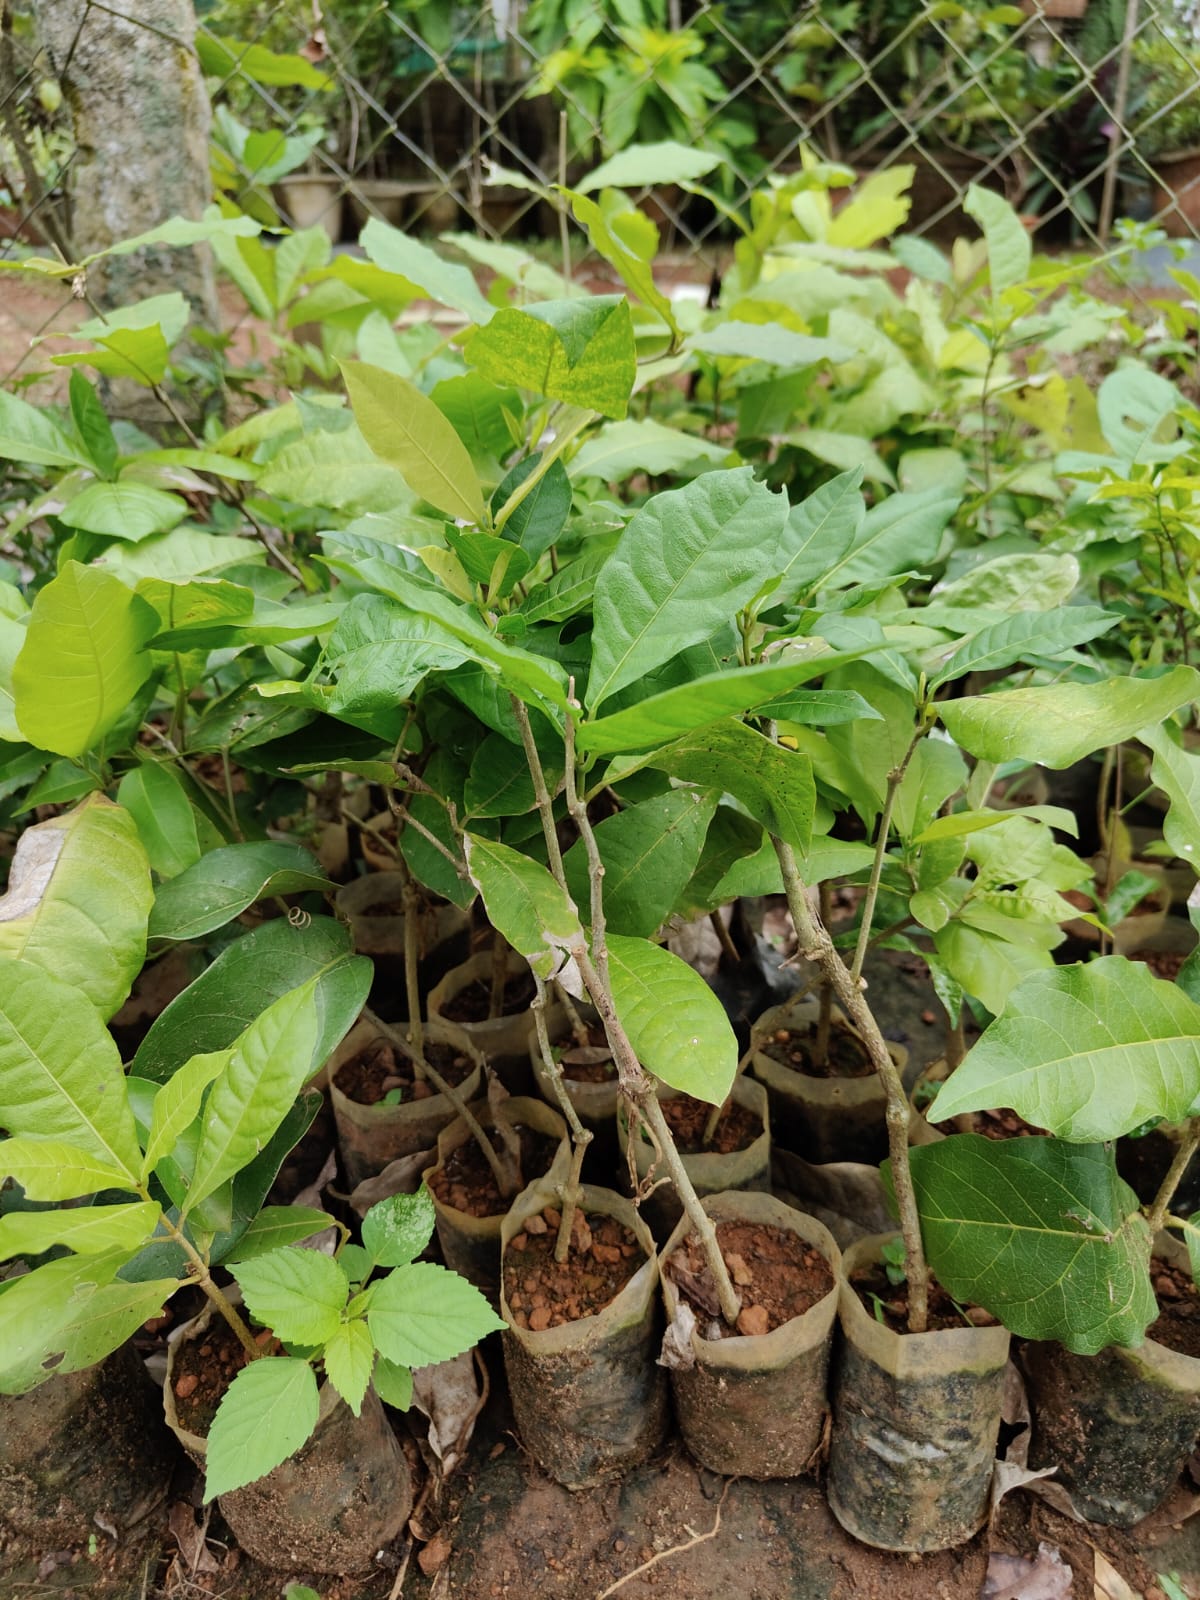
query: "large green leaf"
378, 653
248, 975
649, 851
406, 429
774, 784
29, 433
1009, 247
396, 1230
1061, 723
60, 1074
818, 533
177, 1105
1041, 1233
675, 1023
299, 1294
499, 783
447, 282
127, 510
86, 1230
640, 166
1086, 1052
422, 1314
167, 823
686, 562
578, 351
640, 444
83, 660
78, 898
716, 696
269, 1410
525, 903
1177, 772
223, 883
68, 1315
275, 1226
254, 1091
349, 1356
902, 532
51, 1169
1024, 634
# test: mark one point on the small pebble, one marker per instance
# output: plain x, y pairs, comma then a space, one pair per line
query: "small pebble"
928, 1018
535, 1224
738, 1270
186, 1385
609, 1253
979, 1318
553, 1217
539, 1318
753, 1320
1166, 1288
519, 1242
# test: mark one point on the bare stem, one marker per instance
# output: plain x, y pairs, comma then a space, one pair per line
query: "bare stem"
895, 779
501, 1170
499, 975
219, 1299
1161, 1208
581, 1137
816, 944
825, 1012
578, 1025
717, 1112
724, 938
545, 801
412, 984
956, 1041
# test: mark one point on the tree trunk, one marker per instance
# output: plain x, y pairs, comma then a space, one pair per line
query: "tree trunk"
141, 122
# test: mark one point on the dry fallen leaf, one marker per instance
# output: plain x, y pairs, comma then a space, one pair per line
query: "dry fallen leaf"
398, 1177
435, 1554
449, 1395
1048, 1577
1110, 1585
191, 1537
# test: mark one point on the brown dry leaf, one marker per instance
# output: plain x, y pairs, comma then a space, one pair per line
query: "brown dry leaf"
449, 1395
435, 1554
1110, 1585
191, 1537
398, 1177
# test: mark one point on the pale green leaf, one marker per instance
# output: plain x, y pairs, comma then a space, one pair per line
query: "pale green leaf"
1061, 723
126, 510
393, 1383
224, 882
1009, 247
177, 1105
248, 1100
83, 660
686, 562
676, 1024
1177, 772
421, 1314
77, 902
87, 1230
166, 820
50, 1169
641, 166
30, 434
60, 1073
1086, 1052
396, 1230
524, 903
349, 1355
1025, 634
298, 1294
404, 428
444, 281
640, 444
578, 351
267, 1413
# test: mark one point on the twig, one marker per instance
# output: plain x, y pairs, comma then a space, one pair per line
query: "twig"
675, 1550
541, 789
581, 1137
1166, 1193
895, 779
397, 1590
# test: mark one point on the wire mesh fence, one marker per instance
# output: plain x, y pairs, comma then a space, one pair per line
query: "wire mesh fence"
461, 115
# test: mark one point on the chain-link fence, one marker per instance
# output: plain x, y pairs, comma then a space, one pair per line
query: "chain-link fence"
460, 115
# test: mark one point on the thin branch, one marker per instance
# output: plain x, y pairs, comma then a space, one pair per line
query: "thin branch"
675, 1550
545, 802
1161, 1208
581, 1137
895, 779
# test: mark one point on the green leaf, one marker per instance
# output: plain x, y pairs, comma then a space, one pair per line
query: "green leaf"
499, 783
378, 653
1042, 1234
251, 1096
349, 1356
524, 903
78, 898
60, 1074
223, 883
50, 1169
1061, 723
299, 1294
68, 1315
430, 273
247, 976
1009, 247
986, 965
393, 1383
267, 1413
520, 670
404, 428
771, 342
1135, 407
129, 510
960, 823
1025, 634
177, 1105
719, 695
275, 1226
578, 351
134, 341
818, 533
1177, 772
165, 817
93, 425
30, 434
422, 1314
935, 772
628, 248
226, 58
88, 1231
675, 1023
686, 562
1087, 1052
83, 660
396, 1230
640, 444
774, 784
650, 852
900, 533
641, 166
